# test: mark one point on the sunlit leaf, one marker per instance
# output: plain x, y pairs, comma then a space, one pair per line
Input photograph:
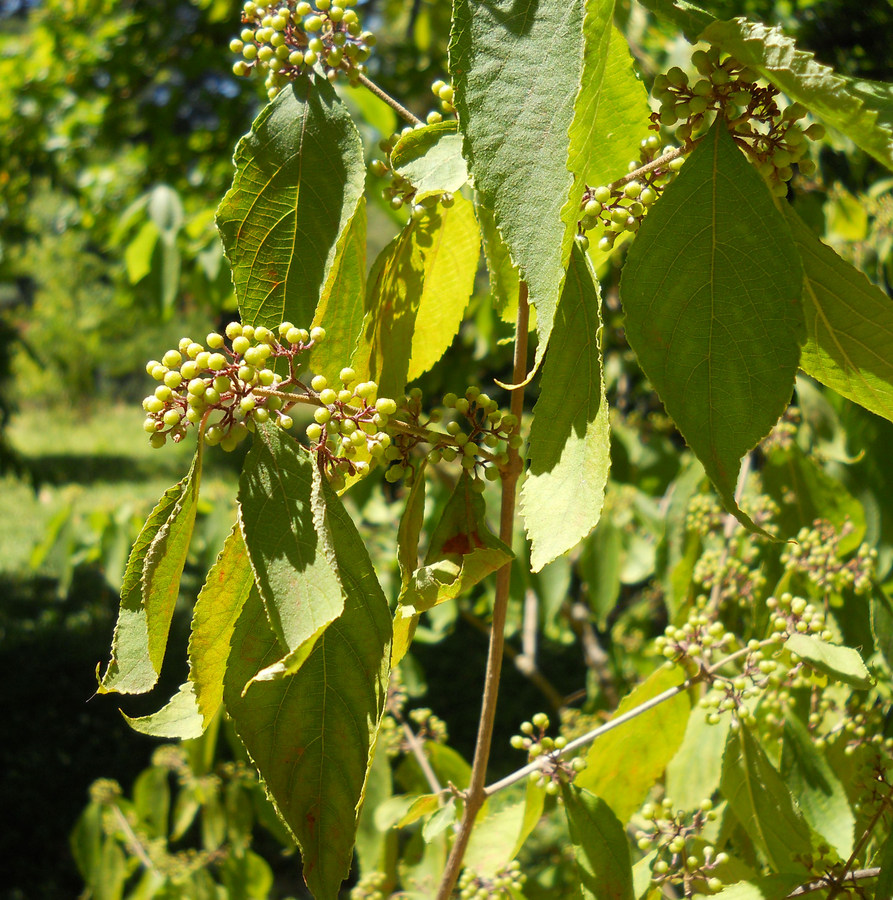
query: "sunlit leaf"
564, 490
299, 175
714, 319
515, 109
179, 719
430, 158
840, 663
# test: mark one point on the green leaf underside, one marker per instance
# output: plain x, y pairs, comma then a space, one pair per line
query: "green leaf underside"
849, 325
714, 319
416, 296
462, 552
600, 846
292, 565
430, 158
762, 802
840, 663
311, 733
505, 281
514, 114
179, 719
610, 110
341, 306
862, 110
299, 175
623, 764
819, 792
150, 588
570, 449
214, 617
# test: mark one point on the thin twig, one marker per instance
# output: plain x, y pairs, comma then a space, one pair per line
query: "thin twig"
822, 883
476, 795
418, 751
396, 105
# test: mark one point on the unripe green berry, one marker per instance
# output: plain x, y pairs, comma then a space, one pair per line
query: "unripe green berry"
157, 440
328, 396
386, 406
314, 432
317, 335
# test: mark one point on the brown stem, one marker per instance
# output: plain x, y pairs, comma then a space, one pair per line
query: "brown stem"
398, 107
475, 796
821, 884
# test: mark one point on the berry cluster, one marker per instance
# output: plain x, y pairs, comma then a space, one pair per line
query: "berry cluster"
226, 389
771, 136
400, 191
371, 886
682, 854
473, 886
289, 37
553, 769
622, 207
817, 556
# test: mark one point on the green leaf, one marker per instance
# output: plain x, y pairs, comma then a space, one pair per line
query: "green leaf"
311, 733
430, 158
600, 846
341, 306
694, 772
883, 887
840, 663
804, 492
862, 110
610, 110
138, 255
504, 278
849, 325
299, 175
417, 293
623, 764
769, 887
762, 802
179, 719
570, 449
214, 617
690, 19
408, 534
493, 841
515, 108
150, 589
292, 565
714, 318
421, 806
819, 792
462, 551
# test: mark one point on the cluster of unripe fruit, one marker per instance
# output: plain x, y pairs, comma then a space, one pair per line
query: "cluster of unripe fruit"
401, 191
681, 851
553, 770
771, 136
473, 886
228, 390
816, 554
288, 38
622, 207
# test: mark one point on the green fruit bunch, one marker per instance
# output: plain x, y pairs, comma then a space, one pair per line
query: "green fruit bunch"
401, 191
445, 94
772, 136
227, 389
682, 854
287, 39
621, 207
504, 884
553, 769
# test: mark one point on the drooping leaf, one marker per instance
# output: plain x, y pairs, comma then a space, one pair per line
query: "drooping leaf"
849, 325
408, 534
688, 17
623, 764
150, 588
840, 663
214, 617
417, 293
504, 278
693, 773
341, 304
514, 113
493, 841
287, 548
462, 551
430, 158
804, 492
601, 849
759, 798
819, 792
138, 255
570, 450
299, 175
714, 319
610, 110
311, 733
862, 110
179, 719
